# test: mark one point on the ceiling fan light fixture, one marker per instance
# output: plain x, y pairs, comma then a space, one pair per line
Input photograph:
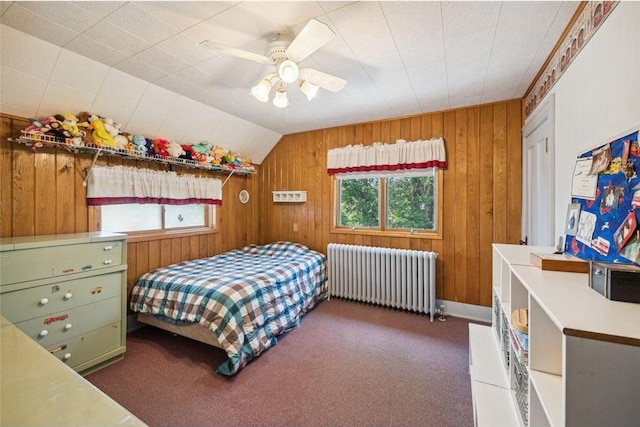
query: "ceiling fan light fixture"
281, 100
288, 71
309, 89
261, 90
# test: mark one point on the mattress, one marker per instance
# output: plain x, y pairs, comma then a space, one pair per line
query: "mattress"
247, 297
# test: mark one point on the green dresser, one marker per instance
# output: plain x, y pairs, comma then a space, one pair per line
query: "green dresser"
68, 293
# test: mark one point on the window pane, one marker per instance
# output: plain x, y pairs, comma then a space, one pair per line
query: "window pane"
410, 202
180, 216
131, 217
359, 202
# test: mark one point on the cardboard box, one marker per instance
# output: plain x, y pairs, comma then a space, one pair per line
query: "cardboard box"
559, 262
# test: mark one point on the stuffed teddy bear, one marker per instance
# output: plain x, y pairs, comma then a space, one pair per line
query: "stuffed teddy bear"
174, 149
202, 147
140, 145
70, 124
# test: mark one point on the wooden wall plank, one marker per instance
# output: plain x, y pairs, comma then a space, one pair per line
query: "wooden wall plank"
486, 204
65, 214
500, 193
460, 207
474, 158
45, 185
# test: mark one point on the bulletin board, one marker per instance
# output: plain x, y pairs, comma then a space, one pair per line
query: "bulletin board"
602, 220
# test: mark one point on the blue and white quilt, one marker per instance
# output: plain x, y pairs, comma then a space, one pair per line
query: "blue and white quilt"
247, 296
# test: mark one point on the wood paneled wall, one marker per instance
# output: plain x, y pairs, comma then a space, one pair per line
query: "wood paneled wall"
482, 190
42, 193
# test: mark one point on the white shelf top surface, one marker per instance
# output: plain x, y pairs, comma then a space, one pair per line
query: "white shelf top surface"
493, 408
577, 309
519, 254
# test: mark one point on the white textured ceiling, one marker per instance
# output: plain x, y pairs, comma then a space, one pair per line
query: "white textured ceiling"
399, 58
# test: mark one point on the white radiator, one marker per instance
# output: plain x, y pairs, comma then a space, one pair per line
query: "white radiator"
398, 278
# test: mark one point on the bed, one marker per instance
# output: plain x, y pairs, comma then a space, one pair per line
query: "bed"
240, 301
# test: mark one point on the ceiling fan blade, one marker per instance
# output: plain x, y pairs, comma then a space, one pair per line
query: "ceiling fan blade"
312, 37
228, 50
325, 81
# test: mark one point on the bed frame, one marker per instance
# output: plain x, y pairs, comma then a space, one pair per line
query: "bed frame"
194, 331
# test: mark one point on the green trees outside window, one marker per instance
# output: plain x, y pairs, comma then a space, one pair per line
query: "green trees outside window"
398, 202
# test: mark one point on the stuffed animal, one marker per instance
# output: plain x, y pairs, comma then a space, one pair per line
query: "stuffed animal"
202, 147
151, 151
52, 126
122, 141
160, 147
101, 137
70, 124
112, 127
174, 149
188, 152
140, 145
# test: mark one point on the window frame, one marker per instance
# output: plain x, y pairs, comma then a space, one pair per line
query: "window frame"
210, 227
381, 230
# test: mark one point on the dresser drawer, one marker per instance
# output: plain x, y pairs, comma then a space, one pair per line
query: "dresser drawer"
39, 263
26, 304
62, 325
80, 349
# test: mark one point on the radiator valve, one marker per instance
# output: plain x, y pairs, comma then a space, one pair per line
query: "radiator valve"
441, 313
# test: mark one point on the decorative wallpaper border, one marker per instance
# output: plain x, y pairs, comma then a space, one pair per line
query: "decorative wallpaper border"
585, 26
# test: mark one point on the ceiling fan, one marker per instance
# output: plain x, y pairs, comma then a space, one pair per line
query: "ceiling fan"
284, 52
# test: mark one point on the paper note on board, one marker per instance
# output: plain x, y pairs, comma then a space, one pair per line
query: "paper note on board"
583, 185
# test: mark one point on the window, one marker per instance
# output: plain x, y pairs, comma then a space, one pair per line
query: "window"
146, 220
404, 203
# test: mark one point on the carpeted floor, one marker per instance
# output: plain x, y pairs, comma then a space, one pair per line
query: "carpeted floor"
348, 364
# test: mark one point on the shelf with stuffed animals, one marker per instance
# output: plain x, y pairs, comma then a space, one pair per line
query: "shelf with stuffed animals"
98, 135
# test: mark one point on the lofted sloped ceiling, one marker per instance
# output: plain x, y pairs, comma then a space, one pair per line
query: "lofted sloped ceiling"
399, 58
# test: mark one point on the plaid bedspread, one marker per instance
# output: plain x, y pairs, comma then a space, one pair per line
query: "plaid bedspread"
247, 296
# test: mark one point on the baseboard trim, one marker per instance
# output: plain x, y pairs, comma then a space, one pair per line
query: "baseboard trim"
466, 311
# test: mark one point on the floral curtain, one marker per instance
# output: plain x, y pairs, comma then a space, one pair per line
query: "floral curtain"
400, 156
110, 185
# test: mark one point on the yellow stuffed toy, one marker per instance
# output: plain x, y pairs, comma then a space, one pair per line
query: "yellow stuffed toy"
101, 137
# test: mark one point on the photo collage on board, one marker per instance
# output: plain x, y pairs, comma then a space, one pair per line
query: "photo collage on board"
602, 218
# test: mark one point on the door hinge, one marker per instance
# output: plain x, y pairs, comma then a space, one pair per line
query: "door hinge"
546, 145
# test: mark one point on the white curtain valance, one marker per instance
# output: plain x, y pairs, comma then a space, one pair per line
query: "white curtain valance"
110, 185
402, 155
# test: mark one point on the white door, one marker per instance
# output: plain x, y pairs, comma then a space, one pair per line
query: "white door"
538, 177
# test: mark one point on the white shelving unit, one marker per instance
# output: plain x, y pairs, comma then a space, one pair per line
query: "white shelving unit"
289, 196
584, 350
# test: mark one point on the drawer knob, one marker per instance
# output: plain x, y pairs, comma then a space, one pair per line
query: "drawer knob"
108, 248
43, 333
68, 295
107, 261
66, 356
67, 326
43, 301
